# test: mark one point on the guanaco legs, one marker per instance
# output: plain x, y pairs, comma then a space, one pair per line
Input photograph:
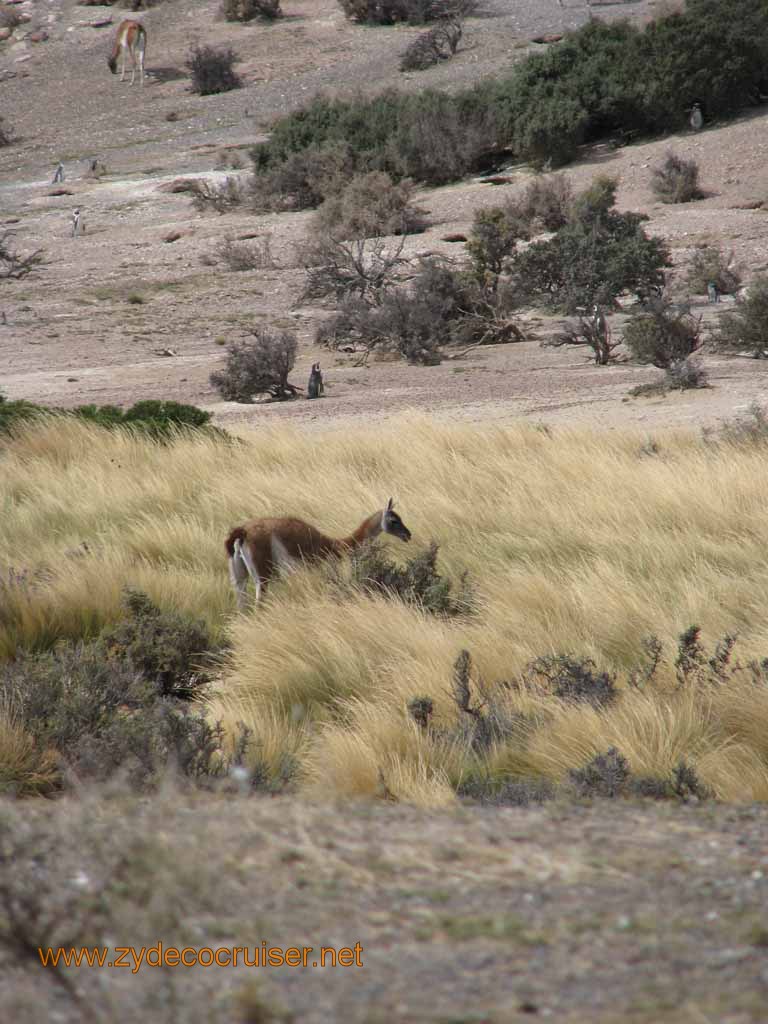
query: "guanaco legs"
262, 547
131, 39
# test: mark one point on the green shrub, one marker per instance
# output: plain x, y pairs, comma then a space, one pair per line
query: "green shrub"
13, 264
157, 419
369, 205
212, 70
662, 335
493, 238
258, 367
676, 180
603, 78
746, 328
598, 254
710, 265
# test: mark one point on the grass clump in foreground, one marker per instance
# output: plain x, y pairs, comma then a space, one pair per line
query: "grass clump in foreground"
323, 681
156, 419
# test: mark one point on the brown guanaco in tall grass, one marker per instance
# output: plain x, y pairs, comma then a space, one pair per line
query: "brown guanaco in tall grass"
261, 547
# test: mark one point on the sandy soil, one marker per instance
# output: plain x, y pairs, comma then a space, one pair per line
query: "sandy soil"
587, 914
93, 324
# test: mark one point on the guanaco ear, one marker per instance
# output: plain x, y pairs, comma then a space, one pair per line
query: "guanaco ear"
390, 504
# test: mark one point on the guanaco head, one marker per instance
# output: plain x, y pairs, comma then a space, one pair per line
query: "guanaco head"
112, 62
392, 523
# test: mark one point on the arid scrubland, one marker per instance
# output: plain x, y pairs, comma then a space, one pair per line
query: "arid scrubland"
575, 543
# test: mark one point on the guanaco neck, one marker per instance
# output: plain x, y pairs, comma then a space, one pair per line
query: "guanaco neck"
367, 530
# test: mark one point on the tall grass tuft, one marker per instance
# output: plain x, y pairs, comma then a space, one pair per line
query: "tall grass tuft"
579, 545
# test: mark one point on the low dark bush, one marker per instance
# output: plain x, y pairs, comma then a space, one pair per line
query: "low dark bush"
258, 367
212, 70
663, 335
121, 701
676, 180
605, 775
414, 12
573, 679
164, 647
746, 328
247, 10
417, 581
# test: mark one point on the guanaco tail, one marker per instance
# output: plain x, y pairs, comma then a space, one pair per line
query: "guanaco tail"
131, 39
262, 547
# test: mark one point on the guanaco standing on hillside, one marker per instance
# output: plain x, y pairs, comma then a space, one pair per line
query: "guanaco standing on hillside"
131, 39
262, 547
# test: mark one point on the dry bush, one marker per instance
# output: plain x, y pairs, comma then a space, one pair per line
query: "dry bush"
546, 202
362, 268
745, 329
9, 17
663, 335
303, 179
212, 70
216, 195
432, 46
710, 265
593, 332
258, 367
6, 134
676, 180
367, 206
241, 256
15, 265
247, 10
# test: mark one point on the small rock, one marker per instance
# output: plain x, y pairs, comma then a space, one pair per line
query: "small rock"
27, 56
5, 33
39, 36
72, 380
457, 237
547, 39
172, 236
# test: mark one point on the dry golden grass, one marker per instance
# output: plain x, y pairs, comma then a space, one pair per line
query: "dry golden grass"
578, 542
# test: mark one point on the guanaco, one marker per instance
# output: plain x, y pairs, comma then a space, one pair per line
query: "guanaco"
262, 547
131, 39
